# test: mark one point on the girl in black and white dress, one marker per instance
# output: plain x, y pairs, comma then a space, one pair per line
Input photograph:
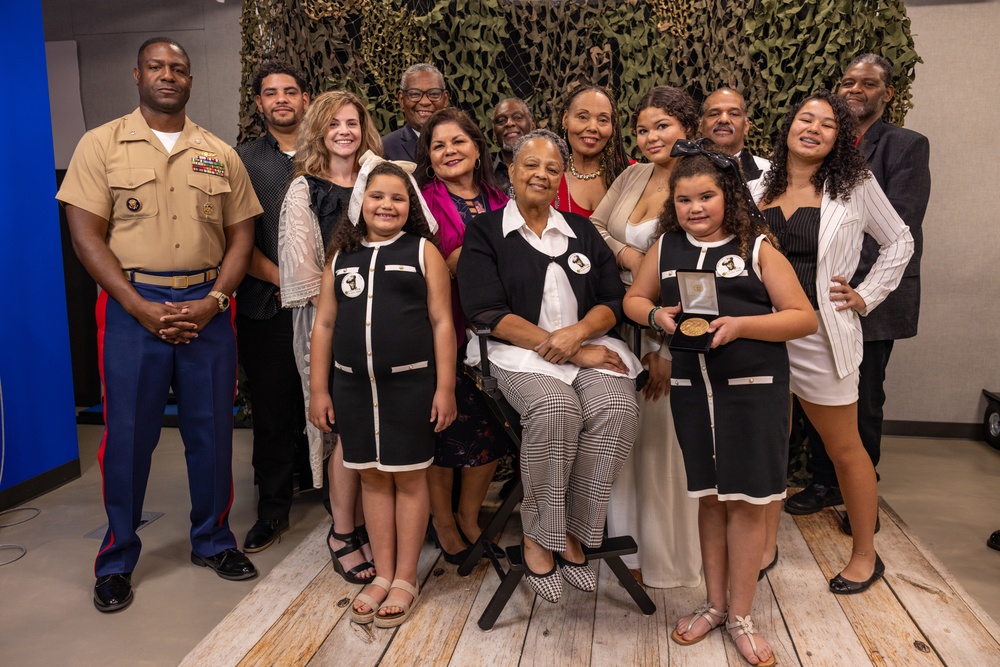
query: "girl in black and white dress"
384, 328
730, 404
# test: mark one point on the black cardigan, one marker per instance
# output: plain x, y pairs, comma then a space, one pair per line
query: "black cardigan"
498, 275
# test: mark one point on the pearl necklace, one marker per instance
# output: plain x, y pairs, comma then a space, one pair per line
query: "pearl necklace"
584, 177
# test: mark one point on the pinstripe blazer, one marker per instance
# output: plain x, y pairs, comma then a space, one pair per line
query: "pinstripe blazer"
842, 228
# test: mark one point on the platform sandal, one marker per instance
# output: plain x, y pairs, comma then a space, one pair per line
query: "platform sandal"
392, 620
745, 625
712, 616
352, 543
373, 604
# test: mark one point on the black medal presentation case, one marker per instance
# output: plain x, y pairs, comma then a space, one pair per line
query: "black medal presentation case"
699, 306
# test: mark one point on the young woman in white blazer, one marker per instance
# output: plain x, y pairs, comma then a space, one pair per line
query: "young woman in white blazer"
820, 200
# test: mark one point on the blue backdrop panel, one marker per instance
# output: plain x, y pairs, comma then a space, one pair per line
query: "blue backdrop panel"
39, 430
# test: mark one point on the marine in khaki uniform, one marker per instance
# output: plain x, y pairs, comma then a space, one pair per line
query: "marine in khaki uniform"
161, 214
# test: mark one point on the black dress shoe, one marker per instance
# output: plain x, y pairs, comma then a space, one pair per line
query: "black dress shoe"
813, 498
229, 564
994, 541
263, 534
842, 586
845, 525
113, 592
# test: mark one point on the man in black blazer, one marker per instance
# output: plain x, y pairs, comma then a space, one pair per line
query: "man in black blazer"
899, 159
421, 93
724, 121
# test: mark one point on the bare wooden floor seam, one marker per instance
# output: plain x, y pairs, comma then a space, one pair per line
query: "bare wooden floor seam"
919, 615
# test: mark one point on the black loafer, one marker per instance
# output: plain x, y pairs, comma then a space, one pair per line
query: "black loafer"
263, 534
813, 498
229, 564
845, 526
842, 586
113, 592
994, 541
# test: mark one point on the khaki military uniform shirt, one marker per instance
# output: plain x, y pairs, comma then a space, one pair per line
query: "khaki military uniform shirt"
165, 212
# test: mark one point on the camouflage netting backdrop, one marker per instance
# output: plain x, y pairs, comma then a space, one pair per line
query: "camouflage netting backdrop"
774, 52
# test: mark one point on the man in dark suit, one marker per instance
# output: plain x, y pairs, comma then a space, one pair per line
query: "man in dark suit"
724, 121
421, 93
899, 159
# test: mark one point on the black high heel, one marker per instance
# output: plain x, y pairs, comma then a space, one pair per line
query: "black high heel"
497, 550
352, 543
454, 559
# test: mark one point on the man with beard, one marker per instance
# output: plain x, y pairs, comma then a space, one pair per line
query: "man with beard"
263, 327
161, 215
512, 120
724, 121
899, 159
421, 93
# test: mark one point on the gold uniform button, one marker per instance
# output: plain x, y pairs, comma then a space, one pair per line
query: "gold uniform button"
371, 270
368, 324
710, 394
374, 405
376, 432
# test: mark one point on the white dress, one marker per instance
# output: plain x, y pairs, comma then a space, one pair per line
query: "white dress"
649, 499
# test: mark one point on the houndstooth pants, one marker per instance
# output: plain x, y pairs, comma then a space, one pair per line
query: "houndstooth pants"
574, 442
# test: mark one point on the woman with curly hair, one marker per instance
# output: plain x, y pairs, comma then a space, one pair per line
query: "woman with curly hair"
820, 200
727, 400
651, 485
590, 126
335, 133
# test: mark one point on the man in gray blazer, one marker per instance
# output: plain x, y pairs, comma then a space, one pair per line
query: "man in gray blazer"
421, 93
899, 159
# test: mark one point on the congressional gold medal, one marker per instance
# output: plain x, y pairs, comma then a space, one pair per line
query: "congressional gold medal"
694, 327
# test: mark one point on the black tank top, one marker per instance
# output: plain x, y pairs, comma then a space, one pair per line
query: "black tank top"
799, 240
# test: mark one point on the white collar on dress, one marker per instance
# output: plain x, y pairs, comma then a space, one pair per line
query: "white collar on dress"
513, 220
708, 244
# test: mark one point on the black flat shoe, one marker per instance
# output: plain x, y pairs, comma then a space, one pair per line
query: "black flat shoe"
994, 541
113, 592
813, 498
352, 544
453, 559
769, 565
498, 551
842, 586
263, 534
230, 564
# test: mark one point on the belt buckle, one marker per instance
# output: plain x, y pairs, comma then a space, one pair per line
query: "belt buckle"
176, 282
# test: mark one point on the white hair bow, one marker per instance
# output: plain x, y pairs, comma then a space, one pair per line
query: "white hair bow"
368, 162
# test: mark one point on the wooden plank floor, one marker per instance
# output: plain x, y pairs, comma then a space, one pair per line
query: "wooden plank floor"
918, 616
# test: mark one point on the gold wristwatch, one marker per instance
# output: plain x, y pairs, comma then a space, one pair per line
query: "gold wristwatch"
222, 299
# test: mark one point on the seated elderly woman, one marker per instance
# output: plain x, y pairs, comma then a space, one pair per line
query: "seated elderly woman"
546, 283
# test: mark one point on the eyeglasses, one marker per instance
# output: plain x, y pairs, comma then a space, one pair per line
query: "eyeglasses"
415, 94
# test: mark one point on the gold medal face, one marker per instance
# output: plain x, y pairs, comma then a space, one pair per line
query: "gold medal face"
694, 327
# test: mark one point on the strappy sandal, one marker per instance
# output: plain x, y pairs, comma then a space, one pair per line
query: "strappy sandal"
397, 618
745, 625
373, 604
712, 616
352, 543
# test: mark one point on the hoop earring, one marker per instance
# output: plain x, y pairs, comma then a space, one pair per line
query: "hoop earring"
429, 171
478, 163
